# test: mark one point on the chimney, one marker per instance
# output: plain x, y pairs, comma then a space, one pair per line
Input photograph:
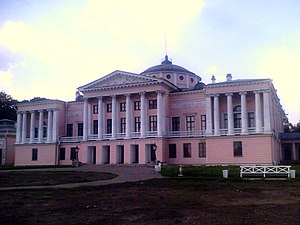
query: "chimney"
213, 79
228, 77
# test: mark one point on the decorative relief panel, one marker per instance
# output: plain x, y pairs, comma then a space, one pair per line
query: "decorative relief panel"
184, 105
75, 113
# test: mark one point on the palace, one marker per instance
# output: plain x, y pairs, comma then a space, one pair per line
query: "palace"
164, 113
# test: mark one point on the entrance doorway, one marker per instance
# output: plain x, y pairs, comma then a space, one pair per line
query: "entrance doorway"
120, 154
287, 153
150, 154
106, 154
91, 155
134, 153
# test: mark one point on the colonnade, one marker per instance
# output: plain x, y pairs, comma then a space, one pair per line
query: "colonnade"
129, 116
52, 126
213, 114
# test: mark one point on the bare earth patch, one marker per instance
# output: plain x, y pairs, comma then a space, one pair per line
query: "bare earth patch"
163, 201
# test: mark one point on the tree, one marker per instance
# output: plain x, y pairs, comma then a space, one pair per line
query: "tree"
7, 107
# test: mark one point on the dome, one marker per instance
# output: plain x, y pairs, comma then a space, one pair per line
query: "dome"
166, 66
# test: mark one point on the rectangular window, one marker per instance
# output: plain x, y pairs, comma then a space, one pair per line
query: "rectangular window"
108, 107
190, 123
109, 126
34, 154
203, 122
225, 121
62, 154
251, 120
69, 130
123, 125
175, 123
137, 124
80, 129
123, 107
36, 132
187, 150
237, 148
95, 127
152, 104
95, 109
73, 154
172, 150
153, 123
137, 105
202, 150
237, 120
45, 131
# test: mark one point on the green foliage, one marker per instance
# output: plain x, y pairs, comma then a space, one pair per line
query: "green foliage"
7, 107
201, 171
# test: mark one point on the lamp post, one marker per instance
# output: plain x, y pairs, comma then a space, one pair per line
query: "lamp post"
76, 151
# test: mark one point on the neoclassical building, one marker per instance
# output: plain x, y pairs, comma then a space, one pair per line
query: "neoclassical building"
164, 113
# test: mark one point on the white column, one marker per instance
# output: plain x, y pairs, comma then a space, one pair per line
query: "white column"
267, 114
100, 117
49, 126
208, 116
128, 115
294, 152
55, 125
230, 114
24, 128
19, 128
41, 124
85, 120
143, 114
159, 114
89, 127
258, 122
244, 113
32, 121
216, 115
114, 117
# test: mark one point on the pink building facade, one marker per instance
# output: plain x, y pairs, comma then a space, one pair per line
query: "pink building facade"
165, 113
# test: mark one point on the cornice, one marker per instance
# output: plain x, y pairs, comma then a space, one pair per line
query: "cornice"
240, 83
186, 92
42, 102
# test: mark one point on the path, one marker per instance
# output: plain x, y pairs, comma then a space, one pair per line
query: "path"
126, 173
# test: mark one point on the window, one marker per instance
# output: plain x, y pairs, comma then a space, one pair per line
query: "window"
153, 123
73, 154
237, 117
123, 107
137, 105
175, 123
192, 80
80, 129
237, 148
202, 150
137, 124
181, 77
109, 126
95, 127
172, 150
203, 122
69, 130
225, 121
62, 154
168, 76
45, 130
152, 104
36, 132
108, 107
95, 109
34, 154
190, 123
187, 150
251, 120
123, 125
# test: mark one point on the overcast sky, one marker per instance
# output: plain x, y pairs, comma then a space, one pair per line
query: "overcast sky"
48, 48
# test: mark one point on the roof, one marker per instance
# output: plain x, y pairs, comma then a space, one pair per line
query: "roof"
238, 81
167, 66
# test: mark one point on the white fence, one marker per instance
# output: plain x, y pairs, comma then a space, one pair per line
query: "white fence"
265, 170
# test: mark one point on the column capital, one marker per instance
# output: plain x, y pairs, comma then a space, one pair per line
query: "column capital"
243, 92
32, 111
266, 91
143, 93
257, 92
100, 97
41, 110
229, 94
159, 92
128, 94
216, 95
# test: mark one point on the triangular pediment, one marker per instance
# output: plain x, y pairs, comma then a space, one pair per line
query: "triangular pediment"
119, 79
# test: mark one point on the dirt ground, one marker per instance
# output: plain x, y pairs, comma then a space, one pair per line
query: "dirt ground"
161, 201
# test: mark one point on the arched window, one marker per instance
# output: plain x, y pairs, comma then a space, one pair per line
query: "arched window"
237, 117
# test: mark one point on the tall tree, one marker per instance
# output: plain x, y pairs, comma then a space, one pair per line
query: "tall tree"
7, 107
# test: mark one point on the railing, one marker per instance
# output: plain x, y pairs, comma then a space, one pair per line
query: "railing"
265, 170
194, 133
70, 139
